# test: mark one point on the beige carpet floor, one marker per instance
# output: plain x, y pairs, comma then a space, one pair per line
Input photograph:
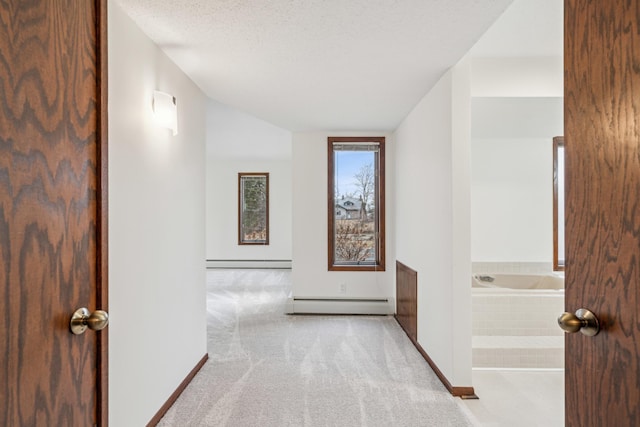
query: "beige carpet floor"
267, 368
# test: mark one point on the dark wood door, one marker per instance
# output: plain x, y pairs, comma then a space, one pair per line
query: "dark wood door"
602, 149
52, 215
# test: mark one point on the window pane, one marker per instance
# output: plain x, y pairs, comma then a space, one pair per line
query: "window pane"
356, 204
253, 205
558, 203
561, 205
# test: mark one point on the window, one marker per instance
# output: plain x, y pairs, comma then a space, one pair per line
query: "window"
356, 204
253, 208
558, 203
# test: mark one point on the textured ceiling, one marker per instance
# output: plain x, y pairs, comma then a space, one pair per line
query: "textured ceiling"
532, 28
316, 64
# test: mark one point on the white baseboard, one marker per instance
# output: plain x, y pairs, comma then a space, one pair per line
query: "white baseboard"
248, 263
381, 306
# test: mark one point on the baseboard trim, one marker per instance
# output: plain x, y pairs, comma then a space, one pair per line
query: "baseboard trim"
462, 392
174, 396
373, 306
249, 263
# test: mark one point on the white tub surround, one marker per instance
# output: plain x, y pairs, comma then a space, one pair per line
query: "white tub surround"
514, 321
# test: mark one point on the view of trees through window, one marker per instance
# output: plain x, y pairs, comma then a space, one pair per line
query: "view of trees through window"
253, 208
355, 206
355, 225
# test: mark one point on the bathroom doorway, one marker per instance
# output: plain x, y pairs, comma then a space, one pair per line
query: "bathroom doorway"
516, 111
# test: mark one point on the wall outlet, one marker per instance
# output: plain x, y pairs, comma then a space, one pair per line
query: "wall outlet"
343, 288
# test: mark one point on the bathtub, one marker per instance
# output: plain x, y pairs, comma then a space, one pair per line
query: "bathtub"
518, 281
515, 320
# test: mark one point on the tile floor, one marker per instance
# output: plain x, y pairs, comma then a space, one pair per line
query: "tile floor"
528, 352
523, 398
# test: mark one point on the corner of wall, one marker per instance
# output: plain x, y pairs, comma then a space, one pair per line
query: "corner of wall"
432, 230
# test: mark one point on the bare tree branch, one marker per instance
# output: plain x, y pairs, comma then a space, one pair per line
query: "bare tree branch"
365, 180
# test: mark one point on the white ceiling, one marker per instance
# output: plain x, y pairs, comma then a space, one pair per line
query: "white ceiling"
317, 64
531, 28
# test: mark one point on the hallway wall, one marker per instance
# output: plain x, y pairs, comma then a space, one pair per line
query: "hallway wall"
310, 278
239, 142
433, 219
157, 330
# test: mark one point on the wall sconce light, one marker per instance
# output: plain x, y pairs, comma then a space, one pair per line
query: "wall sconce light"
165, 110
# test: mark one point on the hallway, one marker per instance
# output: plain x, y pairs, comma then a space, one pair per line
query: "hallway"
266, 368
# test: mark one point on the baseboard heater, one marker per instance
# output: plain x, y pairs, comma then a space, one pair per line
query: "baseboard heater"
377, 306
249, 263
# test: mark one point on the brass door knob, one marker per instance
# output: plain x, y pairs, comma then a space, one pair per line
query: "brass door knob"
81, 320
583, 320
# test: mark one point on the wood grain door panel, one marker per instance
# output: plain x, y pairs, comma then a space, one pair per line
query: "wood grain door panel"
407, 299
51, 205
602, 153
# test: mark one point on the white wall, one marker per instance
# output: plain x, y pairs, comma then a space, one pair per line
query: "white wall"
432, 221
517, 77
310, 276
512, 200
157, 330
512, 168
517, 109
516, 117
461, 219
238, 142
